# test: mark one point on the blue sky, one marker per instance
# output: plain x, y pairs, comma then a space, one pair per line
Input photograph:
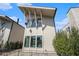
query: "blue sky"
14, 12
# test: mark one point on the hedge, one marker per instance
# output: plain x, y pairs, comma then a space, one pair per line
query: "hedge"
67, 44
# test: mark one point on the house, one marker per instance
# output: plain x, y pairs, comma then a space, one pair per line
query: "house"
73, 16
10, 30
40, 28
73, 19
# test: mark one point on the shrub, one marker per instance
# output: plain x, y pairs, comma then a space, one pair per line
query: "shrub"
74, 37
67, 44
13, 45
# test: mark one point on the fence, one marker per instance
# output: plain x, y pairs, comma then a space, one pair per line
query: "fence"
21, 53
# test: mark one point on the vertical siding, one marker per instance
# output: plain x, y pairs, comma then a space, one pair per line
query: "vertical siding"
17, 33
48, 34
6, 32
71, 18
76, 16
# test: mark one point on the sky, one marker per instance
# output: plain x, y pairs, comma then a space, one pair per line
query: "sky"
12, 10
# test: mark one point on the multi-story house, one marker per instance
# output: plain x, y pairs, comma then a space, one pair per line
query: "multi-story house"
10, 30
73, 17
40, 28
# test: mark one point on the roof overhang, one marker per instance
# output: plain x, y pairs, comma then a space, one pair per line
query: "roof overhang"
4, 18
8, 19
45, 11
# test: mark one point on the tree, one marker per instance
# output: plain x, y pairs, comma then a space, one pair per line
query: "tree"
13, 45
67, 44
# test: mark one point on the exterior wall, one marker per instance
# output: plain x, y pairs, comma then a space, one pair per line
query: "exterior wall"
73, 16
76, 15
47, 31
9, 32
48, 34
17, 33
6, 32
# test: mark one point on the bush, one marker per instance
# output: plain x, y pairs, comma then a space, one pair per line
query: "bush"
67, 44
13, 46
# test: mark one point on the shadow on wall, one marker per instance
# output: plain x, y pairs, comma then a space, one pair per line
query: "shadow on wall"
47, 22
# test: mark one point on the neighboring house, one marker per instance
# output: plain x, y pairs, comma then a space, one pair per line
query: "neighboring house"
73, 16
40, 28
10, 30
73, 19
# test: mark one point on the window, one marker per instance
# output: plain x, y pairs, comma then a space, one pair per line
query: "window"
39, 24
28, 23
26, 41
33, 23
33, 38
39, 41
36, 41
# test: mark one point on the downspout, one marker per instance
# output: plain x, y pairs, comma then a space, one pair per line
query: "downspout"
54, 20
54, 23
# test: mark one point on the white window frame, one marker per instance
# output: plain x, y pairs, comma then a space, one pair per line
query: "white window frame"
35, 42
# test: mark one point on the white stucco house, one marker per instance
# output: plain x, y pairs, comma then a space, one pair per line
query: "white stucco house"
73, 17
10, 30
40, 28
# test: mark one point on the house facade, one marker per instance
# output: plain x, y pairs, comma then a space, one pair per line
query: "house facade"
73, 17
40, 28
10, 30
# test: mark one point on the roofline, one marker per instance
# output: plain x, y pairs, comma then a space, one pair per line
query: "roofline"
38, 7
70, 9
12, 20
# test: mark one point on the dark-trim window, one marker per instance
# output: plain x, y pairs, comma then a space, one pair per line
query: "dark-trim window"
33, 24
39, 24
28, 23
